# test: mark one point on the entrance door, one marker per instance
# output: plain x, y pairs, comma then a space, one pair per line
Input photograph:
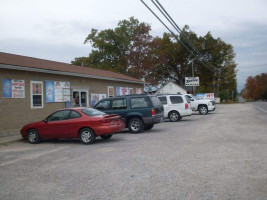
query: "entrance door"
80, 98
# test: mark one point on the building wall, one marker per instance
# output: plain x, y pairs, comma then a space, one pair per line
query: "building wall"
171, 88
16, 112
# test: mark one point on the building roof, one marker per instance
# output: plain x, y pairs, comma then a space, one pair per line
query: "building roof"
35, 64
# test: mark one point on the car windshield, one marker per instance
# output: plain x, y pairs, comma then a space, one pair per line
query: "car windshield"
92, 112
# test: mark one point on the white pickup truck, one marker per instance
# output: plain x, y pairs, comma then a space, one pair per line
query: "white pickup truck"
203, 106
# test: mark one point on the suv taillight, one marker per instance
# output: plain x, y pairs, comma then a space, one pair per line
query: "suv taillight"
186, 106
153, 112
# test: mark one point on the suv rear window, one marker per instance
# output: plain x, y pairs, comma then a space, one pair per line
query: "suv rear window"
176, 99
156, 102
139, 102
163, 100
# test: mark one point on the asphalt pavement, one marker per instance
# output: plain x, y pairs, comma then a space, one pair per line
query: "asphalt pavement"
222, 155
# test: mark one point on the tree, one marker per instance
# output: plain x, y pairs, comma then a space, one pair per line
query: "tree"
256, 87
131, 50
123, 49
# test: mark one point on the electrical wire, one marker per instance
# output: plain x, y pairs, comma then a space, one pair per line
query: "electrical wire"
195, 52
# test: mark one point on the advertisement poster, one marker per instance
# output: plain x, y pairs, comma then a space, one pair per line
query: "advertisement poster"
57, 91
96, 98
138, 91
13, 88
18, 89
122, 91
191, 81
207, 96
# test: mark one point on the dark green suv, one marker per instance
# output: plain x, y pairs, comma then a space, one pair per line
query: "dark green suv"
139, 112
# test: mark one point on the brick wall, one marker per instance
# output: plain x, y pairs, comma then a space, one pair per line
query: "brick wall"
15, 113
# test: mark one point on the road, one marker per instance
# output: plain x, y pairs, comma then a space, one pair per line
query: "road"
222, 155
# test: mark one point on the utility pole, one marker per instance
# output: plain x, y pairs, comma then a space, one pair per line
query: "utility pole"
193, 75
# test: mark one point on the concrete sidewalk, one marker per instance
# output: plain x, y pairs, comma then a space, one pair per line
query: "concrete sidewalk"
9, 136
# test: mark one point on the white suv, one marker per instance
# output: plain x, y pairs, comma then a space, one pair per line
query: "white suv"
175, 106
201, 105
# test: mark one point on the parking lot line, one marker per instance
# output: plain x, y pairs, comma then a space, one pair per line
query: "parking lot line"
261, 109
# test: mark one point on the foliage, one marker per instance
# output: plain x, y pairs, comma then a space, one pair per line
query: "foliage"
256, 87
130, 49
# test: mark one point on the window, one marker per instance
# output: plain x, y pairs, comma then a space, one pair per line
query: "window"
176, 99
37, 94
103, 105
131, 90
163, 100
187, 99
110, 91
119, 104
59, 115
74, 115
139, 102
92, 112
156, 102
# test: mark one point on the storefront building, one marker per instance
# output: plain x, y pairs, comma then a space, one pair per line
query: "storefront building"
32, 88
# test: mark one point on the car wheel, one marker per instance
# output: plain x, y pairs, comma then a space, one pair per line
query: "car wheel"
87, 136
174, 116
33, 136
136, 125
105, 137
203, 110
148, 127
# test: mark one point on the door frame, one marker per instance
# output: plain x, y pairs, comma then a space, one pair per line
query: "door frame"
80, 90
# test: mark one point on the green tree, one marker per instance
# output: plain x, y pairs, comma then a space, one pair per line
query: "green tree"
123, 49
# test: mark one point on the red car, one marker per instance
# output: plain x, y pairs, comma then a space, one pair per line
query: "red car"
83, 123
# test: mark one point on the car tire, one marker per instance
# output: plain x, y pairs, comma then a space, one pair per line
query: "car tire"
136, 125
203, 110
33, 136
87, 136
106, 137
174, 116
148, 127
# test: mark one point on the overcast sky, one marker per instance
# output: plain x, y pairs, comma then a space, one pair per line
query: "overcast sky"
56, 29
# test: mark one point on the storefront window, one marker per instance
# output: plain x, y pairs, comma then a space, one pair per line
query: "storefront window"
36, 94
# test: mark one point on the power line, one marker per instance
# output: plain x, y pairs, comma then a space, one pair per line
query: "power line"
173, 23
195, 52
176, 37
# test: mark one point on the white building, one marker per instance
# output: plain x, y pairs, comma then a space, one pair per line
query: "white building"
171, 88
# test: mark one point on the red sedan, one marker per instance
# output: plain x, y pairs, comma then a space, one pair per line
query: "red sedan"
83, 123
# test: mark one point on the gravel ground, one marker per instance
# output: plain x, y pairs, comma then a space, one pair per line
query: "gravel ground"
222, 155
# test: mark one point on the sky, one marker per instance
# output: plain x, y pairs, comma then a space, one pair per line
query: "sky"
56, 29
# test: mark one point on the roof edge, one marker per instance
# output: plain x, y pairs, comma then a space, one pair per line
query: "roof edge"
22, 68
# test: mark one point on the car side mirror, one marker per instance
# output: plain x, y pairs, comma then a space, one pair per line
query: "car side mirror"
45, 121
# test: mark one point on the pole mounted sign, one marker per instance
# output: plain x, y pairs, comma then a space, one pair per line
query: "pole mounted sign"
191, 81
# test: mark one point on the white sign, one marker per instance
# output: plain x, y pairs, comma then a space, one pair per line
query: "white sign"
96, 98
57, 91
191, 81
207, 96
122, 91
18, 89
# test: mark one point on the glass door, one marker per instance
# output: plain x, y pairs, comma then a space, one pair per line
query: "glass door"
80, 98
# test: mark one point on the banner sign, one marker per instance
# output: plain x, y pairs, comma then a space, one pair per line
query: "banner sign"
96, 98
122, 91
138, 91
207, 96
56, 91
191, 81
13, 88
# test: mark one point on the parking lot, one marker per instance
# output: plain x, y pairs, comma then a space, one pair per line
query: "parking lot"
222, 155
